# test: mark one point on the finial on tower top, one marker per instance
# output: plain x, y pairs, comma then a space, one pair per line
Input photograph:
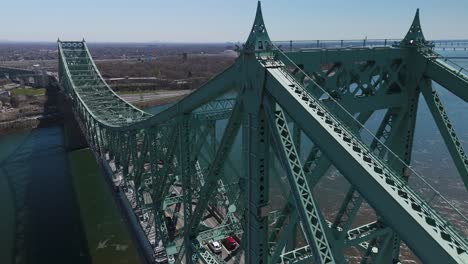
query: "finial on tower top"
258, 39
415, 35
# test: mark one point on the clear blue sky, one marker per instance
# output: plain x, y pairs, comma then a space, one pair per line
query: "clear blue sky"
225, 20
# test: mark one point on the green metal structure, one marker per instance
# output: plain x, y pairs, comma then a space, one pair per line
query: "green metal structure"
242, 155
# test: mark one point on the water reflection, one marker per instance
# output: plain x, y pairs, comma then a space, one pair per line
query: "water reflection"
46, 226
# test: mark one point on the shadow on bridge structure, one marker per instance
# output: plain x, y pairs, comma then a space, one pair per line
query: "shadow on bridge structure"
242, 155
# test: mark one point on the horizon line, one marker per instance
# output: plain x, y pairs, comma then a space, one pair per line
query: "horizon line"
207, 42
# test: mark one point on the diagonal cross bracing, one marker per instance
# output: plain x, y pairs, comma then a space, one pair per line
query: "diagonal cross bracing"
214, 172
407, 213
146, 160
447, 131
308, 209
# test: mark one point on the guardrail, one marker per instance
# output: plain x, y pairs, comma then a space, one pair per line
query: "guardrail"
293, 45
457, 69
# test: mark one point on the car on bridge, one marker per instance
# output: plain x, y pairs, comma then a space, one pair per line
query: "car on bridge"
215, 246
230, 243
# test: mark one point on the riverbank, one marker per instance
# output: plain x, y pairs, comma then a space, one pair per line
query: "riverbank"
24, 124
25, 109
22, 120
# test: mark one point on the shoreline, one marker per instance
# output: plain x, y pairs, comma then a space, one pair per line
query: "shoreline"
27, 123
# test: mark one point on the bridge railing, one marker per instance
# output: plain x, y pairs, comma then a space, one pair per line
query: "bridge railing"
458, 70
294, 45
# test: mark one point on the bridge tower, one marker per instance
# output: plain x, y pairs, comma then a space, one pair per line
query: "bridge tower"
247, 157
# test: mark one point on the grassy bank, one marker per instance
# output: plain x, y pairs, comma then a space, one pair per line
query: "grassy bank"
29, 91
107, 236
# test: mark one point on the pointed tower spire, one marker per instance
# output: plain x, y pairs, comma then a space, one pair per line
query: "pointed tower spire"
258, 39
415, 35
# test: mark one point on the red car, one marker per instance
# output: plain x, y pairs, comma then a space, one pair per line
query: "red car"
229, 243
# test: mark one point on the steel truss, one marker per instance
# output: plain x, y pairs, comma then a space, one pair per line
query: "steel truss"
206, 168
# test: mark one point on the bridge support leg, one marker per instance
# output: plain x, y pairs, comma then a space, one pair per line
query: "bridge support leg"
185, 165
255, 138
403, 146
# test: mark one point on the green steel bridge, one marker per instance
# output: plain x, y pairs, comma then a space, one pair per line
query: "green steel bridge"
228, 160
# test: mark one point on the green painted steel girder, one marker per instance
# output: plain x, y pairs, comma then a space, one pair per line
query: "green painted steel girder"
310, 215
452, 79
381, 187
213, 174
447, 131
322, 91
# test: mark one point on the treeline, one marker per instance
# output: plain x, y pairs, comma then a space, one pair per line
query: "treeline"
145, 50
175, 72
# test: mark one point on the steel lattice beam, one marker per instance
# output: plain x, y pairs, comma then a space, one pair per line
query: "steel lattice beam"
447, 131
321, 90
410, 214
316, 234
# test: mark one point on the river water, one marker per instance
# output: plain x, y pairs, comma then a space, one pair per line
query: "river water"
58, 203
37, 196
59, 210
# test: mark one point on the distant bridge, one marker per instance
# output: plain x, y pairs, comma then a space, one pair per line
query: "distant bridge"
437, 45
203, 169
36, 78
451, 44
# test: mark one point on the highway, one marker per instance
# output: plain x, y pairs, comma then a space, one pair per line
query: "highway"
153, 95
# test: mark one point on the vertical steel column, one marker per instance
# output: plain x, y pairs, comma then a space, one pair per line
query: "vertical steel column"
212, 130
185, 165
403, 143
255, 146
